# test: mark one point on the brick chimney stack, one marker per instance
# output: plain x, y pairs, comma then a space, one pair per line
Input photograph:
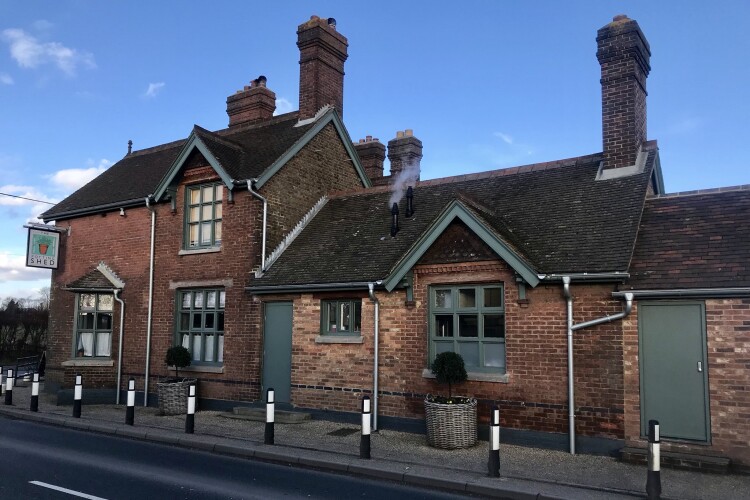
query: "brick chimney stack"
623, 53
253, 103
323, 51
372, 155
405, 152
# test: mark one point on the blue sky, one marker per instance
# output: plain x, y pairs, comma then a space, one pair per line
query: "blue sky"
488, 85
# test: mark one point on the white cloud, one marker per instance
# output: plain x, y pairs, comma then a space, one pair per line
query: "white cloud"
42, 25
29, 52
6, 79
73, 178
13, 268
24, 191
505, 137
153, 89
282, 106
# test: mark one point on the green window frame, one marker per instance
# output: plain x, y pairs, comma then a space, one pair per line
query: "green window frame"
93, 325
469, 320
341, 317
200, 324
203, 215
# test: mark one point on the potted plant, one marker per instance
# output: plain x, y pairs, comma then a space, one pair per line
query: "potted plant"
451, 421
173, 391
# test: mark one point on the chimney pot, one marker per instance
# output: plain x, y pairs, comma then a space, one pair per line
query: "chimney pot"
399, 134
255, 102
619, 17
408, 132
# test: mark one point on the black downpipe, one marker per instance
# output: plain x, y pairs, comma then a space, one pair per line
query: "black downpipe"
394, 220
409, 202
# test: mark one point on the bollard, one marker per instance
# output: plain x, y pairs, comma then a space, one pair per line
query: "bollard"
364, 442
35, 393
9, 387
130, 411
190, 419
494, 462
77, 396
270, 409
653, 480
2, 386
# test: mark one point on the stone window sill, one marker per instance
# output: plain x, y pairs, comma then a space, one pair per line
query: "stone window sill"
88, 362
502, 378
201, 369
199, 251
338, 339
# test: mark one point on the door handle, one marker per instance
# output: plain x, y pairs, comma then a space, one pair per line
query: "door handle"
700, 366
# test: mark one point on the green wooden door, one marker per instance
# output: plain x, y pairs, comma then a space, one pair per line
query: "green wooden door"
674, 383
277, 350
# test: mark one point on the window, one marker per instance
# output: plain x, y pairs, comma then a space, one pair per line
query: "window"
93, 324
200, 324
469, 320
341, 317
203, 212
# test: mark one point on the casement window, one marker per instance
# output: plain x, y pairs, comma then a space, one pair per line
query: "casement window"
203, 213
93, 331
469, 320
200, 324
341, 317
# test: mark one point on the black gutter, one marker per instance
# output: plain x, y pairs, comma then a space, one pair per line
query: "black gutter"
687, 293
47, 216
313, 287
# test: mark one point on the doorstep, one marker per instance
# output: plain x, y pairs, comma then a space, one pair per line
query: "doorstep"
686, 461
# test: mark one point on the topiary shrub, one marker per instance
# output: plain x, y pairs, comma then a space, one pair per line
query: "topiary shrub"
179, 357
449, 368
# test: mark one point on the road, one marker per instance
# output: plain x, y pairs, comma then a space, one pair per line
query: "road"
47, 462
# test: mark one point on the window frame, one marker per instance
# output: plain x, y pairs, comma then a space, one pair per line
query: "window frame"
95, 330
355, 305
218, 331
457, 310
217, 200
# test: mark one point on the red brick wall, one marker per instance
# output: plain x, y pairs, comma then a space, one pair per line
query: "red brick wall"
728, 336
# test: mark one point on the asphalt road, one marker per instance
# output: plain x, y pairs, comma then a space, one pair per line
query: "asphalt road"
46, 462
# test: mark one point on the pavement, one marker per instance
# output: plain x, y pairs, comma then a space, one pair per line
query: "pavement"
526, 473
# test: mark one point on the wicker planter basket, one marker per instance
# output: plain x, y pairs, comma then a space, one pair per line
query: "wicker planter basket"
451, 425
173, 396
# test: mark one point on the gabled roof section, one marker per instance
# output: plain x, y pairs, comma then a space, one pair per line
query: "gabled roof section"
103, 278
693, 240
222, 154
458, 209
316, 125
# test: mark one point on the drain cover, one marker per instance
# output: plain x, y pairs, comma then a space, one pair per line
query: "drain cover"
344, 431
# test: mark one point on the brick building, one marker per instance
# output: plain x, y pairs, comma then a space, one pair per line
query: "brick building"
278, 252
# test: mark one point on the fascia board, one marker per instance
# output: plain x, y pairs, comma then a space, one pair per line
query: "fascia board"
453, 211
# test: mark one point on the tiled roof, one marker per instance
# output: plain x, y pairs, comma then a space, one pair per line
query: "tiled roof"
556, 216
693, 240
244, 152
93, 280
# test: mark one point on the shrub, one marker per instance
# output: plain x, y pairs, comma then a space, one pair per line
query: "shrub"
449, 368
179, 357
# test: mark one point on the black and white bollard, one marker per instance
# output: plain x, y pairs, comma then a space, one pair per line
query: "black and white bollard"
270, 417
35, 393
130, 411
653, 480
364, 442
494, 462
190, 419
77, 396
9, 388
2, 386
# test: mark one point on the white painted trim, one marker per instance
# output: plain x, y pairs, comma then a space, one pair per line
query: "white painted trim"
338, 339
502, 378
88, 362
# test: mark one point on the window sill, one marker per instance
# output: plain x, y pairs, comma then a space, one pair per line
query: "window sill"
199, 251
88, 362
201, 369
502, 378
338, 339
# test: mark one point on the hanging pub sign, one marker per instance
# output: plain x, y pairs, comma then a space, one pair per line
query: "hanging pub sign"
42, 249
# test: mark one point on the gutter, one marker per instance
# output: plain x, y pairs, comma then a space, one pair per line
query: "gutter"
116, 292
150, 302
589, 277
371, 289
580, 326
687, 292
250, 183
312, 287
90, 210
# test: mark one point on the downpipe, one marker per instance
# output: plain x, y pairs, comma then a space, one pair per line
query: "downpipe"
116, 292
150, 302
580, 326
371, 289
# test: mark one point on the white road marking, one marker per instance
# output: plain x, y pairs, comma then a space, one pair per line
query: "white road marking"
66, 490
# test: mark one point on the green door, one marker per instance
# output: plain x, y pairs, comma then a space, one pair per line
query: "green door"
674, 383
277, 350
